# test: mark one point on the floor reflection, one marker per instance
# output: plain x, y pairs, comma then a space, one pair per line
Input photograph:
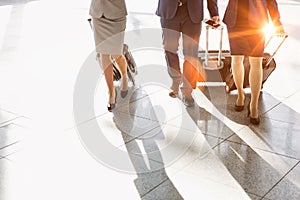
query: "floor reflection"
256, 156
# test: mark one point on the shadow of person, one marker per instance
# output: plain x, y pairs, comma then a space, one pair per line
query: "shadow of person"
140, 134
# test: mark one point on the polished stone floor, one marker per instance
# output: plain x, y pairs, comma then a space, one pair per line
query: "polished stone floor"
57, 140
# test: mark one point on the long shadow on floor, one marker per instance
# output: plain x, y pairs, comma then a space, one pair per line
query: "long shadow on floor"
280, 124
152, 181
261, 158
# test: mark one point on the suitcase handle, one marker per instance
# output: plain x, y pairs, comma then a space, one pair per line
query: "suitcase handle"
282, 36
221, 28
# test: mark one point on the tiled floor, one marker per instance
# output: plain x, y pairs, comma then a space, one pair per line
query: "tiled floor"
57, 140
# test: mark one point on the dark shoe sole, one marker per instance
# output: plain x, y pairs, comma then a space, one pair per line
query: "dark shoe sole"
254, 121
238, 108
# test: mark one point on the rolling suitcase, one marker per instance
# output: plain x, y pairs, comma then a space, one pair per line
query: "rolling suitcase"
217, 63
131, 65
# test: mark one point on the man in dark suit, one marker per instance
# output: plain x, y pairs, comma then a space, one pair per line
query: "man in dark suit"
183, 17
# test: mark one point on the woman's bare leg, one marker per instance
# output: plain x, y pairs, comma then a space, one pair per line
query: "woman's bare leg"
238, 76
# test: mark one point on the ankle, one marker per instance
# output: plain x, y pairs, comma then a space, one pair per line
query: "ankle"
240, 100
112, 97
253, 112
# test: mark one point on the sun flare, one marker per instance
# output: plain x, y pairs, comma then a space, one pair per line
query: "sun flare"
269, 30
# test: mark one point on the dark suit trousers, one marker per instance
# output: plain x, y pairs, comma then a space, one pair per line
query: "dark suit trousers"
181, 25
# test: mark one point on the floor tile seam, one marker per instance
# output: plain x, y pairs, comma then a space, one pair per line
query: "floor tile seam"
153, 188
95, 117
279, 154
145, 116
137, 99
8, 121
11, 112
153, 120
20, 126
5, 158
5, 125
137, 137
137, 115
130, 102
273, 152
218, 137
233, 134
124, 112
9, 154
224, 140
274, 106
161, 162
177, 169
11, 144
281, 101
280, 179
291, 95
85, 121
298, 124
259, 196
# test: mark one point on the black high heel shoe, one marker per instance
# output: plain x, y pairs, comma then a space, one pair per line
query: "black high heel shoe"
238, 108
253, 120
111, 106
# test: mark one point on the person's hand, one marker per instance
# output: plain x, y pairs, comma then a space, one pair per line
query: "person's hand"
279, 29
216, 19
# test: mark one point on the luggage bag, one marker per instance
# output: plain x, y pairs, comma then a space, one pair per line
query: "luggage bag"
217, 63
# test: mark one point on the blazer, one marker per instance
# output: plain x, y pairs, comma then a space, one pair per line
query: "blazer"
111, 9
167, 9
258, 13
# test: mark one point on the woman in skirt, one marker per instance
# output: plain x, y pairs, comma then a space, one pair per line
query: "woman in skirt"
246, 20
109, 22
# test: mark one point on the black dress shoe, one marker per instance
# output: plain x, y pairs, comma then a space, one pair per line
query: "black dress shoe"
253, 120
